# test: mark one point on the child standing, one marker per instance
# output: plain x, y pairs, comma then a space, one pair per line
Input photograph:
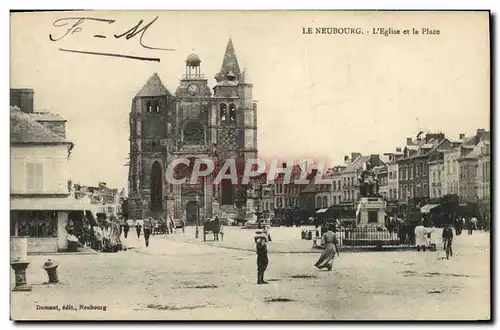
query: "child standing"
262, 260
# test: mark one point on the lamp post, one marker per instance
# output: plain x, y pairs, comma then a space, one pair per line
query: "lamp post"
258, 198
197, 215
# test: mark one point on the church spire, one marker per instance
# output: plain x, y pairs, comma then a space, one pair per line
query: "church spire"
230, 68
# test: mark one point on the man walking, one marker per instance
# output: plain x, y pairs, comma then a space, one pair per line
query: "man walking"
470, 226
148, 225
262, 260
138, 229
447, 237
126, 228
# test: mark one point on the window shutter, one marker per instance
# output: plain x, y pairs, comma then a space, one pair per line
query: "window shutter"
39, 176
30, 176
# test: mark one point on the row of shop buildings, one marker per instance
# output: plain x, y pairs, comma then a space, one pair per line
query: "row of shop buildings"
429, 167
43, 201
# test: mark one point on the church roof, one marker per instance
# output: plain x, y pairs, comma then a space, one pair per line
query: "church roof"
230, 62
153, 87
25, 129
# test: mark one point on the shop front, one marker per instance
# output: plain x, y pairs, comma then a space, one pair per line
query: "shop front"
43, 221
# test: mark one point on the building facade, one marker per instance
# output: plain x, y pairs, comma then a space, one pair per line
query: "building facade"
436, 176
104, 199
336, 184
414, 166
474, 173
40, 203
194, 123
392, 174
451, 171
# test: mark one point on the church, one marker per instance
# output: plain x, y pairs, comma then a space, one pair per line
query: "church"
197, 121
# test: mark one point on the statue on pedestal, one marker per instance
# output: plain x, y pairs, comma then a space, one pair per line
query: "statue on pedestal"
368, 182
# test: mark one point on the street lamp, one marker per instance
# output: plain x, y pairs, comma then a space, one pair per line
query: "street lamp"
258, 196
197, 215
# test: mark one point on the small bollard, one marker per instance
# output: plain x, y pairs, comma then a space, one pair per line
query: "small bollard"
19, 267
50, 267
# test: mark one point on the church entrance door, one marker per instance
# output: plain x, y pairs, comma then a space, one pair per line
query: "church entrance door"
156, 187
192, 213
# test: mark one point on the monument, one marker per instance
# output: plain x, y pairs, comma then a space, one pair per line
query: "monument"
371, 206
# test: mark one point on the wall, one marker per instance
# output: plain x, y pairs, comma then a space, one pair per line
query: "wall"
436, 179
58, 127
483, 177
55, 168
451, 172
42, 245
62, 221
392, 181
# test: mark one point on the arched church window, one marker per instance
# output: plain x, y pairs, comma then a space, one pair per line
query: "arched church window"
232, 113
149, 107
194, 133
153, 146
157, 107
223, 112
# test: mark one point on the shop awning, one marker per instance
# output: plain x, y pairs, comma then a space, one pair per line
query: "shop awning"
427, 208
321, 211
49, 204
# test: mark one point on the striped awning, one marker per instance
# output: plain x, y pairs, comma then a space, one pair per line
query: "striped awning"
427, 208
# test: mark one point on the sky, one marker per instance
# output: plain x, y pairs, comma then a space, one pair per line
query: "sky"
319, 96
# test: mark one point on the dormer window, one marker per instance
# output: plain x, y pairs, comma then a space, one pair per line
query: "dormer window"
232, 113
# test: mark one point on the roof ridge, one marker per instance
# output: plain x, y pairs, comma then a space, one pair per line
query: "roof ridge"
25, 129
153, 87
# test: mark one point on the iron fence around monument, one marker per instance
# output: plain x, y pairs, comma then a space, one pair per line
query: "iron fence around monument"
369, 236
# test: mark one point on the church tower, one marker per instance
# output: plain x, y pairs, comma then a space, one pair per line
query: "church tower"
151, 120
234, 116
192, 124
192, 141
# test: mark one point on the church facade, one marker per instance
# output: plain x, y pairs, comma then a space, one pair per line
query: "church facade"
197, 121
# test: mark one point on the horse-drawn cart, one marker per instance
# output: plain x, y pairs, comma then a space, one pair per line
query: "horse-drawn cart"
214, 227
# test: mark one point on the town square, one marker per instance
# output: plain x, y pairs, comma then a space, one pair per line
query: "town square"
225, 178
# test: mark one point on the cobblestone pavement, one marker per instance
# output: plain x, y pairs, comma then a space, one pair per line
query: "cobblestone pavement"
178, 278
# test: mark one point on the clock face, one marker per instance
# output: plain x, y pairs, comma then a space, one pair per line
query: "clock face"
193, 89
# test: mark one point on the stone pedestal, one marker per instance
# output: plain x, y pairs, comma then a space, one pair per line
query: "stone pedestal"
19, 267
371, 212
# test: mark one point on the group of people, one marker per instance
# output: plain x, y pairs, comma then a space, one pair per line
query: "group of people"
469, 223
108, 235
148, 225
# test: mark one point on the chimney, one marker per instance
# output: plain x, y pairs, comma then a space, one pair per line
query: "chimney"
436, 136
481, 135
461, 136
398, 149
22, 98
409, 141
283, 165
346, 158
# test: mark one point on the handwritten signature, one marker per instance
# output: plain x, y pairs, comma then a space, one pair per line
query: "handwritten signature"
75, 24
